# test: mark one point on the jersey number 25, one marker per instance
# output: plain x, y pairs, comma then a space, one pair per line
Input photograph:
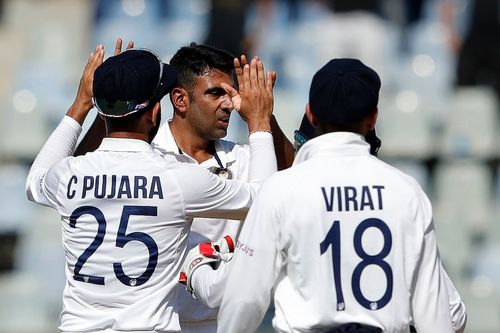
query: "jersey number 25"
122, 238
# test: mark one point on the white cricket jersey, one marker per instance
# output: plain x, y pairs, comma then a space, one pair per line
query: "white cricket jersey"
340, 237
236, 158
124, 212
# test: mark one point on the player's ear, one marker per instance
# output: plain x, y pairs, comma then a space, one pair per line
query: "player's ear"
373, 119
154, 113
312, 118
369, 121
180, 99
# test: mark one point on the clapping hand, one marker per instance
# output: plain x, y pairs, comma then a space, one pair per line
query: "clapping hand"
254, 101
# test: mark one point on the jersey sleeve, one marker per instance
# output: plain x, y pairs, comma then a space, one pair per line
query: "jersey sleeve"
208, 284
262, 157
457, 307
256, 265
207, 195
430, 301
210, 196
61, 143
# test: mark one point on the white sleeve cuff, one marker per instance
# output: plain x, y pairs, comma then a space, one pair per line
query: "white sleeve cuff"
260, 136
75, 125
262, 157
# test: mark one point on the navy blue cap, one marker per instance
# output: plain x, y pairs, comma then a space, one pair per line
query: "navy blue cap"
344, 91
131, 81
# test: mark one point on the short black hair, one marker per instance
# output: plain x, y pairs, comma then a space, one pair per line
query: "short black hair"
194, 60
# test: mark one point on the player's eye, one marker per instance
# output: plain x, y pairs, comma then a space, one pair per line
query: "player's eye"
216, 92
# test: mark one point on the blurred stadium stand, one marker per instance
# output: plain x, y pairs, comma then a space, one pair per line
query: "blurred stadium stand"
447, 137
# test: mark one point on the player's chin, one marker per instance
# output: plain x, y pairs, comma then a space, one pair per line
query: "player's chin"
220, 133
222, 127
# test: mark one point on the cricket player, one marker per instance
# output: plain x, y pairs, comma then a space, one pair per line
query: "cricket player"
124, 208
194, 135
342, 241
206, 266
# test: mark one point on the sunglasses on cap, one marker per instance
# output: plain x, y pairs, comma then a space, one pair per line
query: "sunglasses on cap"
299, 139
118, 109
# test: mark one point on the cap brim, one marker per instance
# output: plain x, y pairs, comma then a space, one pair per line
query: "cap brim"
168, 82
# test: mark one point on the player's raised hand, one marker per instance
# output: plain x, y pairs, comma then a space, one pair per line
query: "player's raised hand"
119, 43
83, 101
238, 67
235, 94
256, 92
232, 92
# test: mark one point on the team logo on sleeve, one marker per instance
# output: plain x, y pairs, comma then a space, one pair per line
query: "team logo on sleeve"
221, 172
244, 248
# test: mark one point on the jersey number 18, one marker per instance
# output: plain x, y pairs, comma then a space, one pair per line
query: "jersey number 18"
333, 239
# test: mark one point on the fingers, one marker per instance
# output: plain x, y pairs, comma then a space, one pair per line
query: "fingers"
261, 75
94, 56
244, 60
274, 77
246, 77
83, 100
229, 90
95, 60
238, 67
233, 94
97, 56
253, 73
269, 82
118, 46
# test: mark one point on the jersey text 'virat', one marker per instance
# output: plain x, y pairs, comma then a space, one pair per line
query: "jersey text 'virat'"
351, 198
113, 186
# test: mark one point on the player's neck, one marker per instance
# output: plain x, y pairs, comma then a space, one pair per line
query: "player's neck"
199, 148
128, 135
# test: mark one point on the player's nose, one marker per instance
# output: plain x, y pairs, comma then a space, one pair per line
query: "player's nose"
227, 103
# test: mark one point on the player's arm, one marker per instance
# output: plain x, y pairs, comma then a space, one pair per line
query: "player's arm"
430, 301
97, 130
208, 195
458, 312
62, 141
284, 149
255, 266
208, 284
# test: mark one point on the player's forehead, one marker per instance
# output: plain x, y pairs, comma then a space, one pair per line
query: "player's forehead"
212, 78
